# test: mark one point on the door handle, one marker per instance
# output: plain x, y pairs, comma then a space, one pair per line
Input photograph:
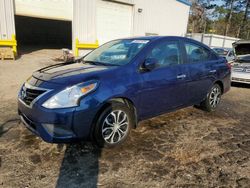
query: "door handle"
181, 76
213, 71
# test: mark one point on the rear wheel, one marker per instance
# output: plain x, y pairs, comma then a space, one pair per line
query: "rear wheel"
213, 99
113, 125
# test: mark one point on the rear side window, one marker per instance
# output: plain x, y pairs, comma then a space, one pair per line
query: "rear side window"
167, 53
196, 53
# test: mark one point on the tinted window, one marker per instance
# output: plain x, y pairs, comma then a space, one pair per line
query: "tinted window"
167, 53
196, 53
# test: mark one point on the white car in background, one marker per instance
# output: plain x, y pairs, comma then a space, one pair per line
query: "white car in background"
241, 65
227, 53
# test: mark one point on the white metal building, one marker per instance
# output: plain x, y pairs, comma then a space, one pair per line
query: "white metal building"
85, 24
213, 40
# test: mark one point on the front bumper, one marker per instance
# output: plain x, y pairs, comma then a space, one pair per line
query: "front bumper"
48, 132
241, 77
58, 125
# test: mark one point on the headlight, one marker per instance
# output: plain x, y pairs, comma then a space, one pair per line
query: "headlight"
69, 97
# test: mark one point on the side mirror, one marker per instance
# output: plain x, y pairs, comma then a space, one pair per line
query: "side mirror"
150, 64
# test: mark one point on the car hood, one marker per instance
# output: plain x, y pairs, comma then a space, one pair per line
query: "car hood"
70, 73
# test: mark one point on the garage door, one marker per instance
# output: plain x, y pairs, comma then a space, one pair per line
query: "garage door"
56, 9
114, 20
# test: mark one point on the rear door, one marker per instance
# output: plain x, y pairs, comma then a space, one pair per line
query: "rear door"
201, 65
164, 88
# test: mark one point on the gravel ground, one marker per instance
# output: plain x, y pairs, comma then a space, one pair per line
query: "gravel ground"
186, 148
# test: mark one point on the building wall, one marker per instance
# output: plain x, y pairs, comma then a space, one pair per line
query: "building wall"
166, 17
7, 24
84, 20
161, 17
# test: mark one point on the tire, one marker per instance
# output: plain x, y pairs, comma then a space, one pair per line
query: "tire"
113, 125
213, 99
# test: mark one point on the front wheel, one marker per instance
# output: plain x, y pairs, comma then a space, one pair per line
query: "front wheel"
113, 125
213, 99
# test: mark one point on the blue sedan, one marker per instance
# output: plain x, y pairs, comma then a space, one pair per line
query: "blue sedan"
102, 96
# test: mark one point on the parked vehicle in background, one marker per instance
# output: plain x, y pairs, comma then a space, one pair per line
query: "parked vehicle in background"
241, 65
227, 53
106, 93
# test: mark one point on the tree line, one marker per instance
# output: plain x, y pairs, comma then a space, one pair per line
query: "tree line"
222, 17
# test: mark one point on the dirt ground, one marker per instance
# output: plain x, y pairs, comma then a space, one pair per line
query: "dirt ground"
186, 148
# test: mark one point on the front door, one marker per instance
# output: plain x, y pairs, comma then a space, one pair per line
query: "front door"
164, 88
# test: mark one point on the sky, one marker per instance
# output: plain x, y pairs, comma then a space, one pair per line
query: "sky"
218, 2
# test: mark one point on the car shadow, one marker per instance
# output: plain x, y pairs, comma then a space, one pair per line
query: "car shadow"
242, 85
80, 166
7, 125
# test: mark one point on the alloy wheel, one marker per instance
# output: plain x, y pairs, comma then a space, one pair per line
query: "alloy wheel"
115, 126
215, 97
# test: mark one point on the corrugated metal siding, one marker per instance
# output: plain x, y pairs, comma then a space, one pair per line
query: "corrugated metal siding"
7, 24
84, 20
155, 18
164, 17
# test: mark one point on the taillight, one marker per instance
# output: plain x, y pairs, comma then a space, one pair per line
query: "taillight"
229, 65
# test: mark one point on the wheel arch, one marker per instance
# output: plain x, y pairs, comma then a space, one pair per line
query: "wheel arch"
220, 83
130, 104
123, 100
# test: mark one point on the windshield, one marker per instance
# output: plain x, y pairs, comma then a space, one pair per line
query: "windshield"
118, 52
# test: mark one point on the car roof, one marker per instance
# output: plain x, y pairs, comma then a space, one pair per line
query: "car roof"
154, 37
225, 49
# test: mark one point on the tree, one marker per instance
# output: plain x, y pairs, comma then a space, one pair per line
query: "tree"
200, 11
229, 17
244, 24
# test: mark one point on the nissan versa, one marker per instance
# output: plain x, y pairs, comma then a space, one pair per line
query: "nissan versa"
103, 95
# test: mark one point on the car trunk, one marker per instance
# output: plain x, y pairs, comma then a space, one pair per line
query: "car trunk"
242, 53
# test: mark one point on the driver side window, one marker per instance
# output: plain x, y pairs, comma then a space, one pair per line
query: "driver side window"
166, 53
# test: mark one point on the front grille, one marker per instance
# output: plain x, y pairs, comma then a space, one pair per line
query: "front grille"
29, 94
28, 122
